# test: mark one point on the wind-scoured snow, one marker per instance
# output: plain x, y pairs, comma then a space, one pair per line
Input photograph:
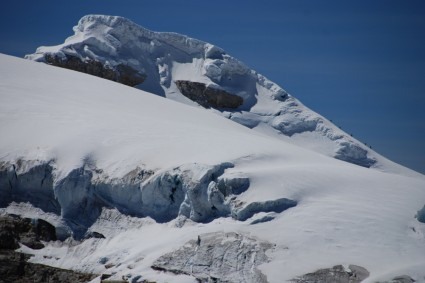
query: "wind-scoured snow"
164, 58
94, 157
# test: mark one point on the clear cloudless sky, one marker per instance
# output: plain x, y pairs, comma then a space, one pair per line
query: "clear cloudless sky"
359, 63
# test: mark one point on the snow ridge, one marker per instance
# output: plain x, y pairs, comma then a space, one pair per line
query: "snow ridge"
163, 58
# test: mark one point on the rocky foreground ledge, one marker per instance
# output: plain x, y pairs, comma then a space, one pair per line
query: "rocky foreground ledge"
213, 257
14, 266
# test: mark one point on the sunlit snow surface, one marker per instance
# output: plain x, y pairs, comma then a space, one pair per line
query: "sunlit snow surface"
345, 214
166, 57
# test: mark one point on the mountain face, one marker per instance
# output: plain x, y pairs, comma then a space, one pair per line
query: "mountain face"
200, 74
135, 186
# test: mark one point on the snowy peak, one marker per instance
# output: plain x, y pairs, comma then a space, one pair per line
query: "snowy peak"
116, 41
200, 74
127, 32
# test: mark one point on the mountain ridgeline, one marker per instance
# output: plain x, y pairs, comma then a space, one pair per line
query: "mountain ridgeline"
200, 74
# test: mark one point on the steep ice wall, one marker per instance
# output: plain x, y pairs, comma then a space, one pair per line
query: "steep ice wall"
159, 60
197, 192
28, 181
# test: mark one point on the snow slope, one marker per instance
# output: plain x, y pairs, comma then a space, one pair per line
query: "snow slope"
165, 59
146, 172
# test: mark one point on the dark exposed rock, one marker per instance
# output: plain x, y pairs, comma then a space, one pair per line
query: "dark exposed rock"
29, 232
8, 239
15, 268
219, 257
336, 274
129, 76
266, 218
208, 96
122, 73
421, 215
94, 234
44, 230
105, 276
109, 265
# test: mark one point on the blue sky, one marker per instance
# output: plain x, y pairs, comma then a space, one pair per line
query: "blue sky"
359, 63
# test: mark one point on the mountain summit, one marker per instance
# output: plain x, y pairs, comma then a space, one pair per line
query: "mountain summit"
200, 74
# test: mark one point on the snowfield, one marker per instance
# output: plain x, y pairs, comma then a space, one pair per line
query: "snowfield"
151, 175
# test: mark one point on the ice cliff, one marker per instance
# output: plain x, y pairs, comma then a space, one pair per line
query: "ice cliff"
197, 192
198, 73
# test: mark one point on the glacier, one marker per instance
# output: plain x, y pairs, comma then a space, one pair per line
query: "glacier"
131, 180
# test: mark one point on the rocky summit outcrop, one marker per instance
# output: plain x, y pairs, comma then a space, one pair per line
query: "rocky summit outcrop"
121, 73
208, 96
336, 274
218, 257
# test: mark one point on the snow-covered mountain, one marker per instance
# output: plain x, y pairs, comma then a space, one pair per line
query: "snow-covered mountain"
173, 190
201, 74
152, 189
